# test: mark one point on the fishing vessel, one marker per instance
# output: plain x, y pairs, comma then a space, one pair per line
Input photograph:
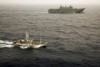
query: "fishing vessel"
29, 43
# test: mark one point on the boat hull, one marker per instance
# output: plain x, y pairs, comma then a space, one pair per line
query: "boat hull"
30, 45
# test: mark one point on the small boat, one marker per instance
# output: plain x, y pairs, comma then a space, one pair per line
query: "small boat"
27, 42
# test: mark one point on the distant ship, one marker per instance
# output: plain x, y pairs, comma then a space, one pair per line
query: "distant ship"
65, 10
29, 43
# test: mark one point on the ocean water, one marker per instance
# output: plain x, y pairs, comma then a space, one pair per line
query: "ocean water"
73, 39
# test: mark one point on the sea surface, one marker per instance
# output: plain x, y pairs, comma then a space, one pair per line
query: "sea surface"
73, 39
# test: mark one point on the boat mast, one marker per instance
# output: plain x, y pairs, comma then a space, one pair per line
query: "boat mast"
27, 36
40, 40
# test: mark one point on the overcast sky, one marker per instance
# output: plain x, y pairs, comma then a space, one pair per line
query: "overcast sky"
49, 1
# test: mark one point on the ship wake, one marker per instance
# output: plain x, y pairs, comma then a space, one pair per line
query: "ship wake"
6, 44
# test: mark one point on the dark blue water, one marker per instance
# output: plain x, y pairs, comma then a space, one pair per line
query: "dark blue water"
73, 39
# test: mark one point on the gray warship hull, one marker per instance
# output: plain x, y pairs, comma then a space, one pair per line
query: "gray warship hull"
65, 10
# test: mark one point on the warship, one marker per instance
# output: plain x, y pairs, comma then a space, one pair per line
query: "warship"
66, 9
29, 43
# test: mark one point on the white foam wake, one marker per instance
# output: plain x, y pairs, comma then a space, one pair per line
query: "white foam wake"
7, 44
24, 47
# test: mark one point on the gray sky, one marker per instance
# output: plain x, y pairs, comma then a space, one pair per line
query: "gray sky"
49, 1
